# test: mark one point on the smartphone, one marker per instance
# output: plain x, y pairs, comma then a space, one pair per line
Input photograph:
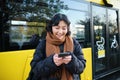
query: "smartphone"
63, 54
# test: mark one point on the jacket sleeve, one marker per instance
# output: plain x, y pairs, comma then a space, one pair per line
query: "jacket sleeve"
78, 63
40, 65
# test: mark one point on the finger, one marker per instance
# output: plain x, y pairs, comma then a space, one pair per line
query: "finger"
66, 60
58, 63
56, 55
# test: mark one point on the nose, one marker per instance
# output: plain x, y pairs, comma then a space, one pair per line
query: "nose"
60, 31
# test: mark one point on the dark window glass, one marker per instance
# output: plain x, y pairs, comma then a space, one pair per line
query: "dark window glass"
99, 23
23, 22
78, 14
113, 39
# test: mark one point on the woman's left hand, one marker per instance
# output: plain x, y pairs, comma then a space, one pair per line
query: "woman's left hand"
67, 59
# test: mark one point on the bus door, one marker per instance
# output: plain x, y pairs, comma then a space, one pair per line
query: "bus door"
105, 41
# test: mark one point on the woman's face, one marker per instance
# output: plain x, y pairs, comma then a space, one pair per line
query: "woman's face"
60, 30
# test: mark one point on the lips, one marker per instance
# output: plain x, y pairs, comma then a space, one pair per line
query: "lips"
59, 36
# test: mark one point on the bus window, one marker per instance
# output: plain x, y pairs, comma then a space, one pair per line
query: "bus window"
24, 20
25, 35
113, 39
99, 21
80, 21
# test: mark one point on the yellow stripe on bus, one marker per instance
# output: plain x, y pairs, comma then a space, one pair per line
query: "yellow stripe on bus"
15, 65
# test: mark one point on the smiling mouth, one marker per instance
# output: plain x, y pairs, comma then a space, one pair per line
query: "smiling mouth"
59, 36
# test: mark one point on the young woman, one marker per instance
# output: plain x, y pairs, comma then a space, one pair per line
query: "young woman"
47, 64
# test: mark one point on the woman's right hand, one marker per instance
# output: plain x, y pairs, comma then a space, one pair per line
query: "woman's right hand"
57, 60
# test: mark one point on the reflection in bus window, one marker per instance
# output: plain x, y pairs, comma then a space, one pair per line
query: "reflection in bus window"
21, 32
25, 19
79, 32
80, 22
99, 21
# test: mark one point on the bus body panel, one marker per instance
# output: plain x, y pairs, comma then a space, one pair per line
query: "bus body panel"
87, 74
15, 65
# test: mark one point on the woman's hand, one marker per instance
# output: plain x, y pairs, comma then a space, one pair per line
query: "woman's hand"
57, 60
61, 60
67, 59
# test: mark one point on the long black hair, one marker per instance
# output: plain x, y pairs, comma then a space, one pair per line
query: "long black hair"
55, 21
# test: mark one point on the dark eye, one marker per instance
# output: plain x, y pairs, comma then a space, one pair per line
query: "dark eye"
64, 28
56, 27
